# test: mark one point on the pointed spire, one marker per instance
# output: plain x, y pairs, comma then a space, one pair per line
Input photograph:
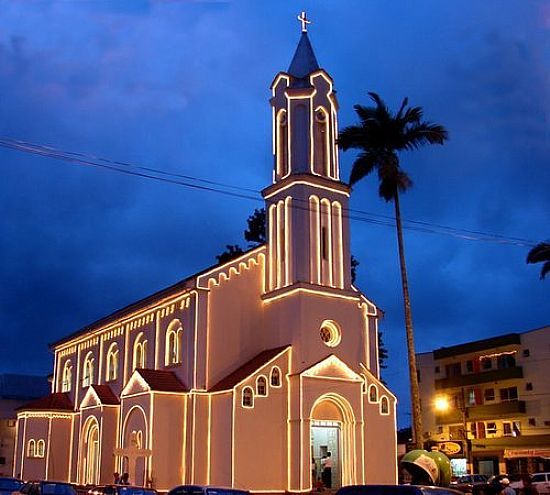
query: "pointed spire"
304, 61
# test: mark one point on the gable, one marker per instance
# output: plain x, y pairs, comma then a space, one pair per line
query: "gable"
334, 368
136, 385
90, 399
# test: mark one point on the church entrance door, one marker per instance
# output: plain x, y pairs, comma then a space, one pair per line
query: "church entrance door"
325, 452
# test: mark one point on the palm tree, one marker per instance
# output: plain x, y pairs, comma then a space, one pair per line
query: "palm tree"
380, 136
541, 254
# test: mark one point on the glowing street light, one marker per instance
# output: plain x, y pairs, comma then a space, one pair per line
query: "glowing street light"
441, 404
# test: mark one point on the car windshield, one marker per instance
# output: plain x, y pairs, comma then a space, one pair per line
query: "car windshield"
538, 477
57, 489
10, 484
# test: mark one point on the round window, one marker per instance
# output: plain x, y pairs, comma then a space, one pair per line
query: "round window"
330, 333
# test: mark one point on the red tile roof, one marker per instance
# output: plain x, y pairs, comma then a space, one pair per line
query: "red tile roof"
162, 380
106, 395
54, 402
247, 369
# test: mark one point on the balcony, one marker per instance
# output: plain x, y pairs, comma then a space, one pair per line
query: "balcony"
481, 377
484, 412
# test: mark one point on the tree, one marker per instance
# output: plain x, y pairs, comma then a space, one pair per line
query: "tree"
255, 234
231, 252
541, 254
382, 352
380, 136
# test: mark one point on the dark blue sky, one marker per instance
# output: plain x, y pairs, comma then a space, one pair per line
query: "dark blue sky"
183, 86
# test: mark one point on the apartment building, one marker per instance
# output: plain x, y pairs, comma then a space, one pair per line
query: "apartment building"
496, 394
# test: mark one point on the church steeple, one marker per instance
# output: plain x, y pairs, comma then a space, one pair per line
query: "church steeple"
304, 61
308, 230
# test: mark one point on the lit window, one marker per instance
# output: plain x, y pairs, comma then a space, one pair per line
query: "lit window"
67, 378
373, 393
491, 428
173, 343
140, 352
486, 363
88, 373
248, 397
40, 448
261, 386
509, 394
31, 448
112, 363
275, 377
384, 405
489, 394
330, 333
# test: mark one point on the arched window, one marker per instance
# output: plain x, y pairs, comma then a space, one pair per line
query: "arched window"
140, 351
31, 448
112, 363
173, 343
321, 140
88, 373
261, 386
275, 378
373, 393
136, 439
40, 448
282, 144
248, 397
384, 405
67, 378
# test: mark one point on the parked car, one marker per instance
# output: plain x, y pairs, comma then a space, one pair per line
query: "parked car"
46, 488
121, 490
396, 490
542, 482
9, 485
205, 490
466, 482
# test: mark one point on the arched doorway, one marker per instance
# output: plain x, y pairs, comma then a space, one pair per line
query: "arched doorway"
90, 453
134, 453
332, 441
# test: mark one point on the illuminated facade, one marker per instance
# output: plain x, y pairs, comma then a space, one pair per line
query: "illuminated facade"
496, 392
239, 375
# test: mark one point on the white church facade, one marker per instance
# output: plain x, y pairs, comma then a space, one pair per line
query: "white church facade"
242, 374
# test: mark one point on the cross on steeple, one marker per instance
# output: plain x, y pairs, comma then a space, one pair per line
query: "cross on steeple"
304, 21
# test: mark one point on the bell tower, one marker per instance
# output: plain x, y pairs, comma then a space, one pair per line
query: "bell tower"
307, 204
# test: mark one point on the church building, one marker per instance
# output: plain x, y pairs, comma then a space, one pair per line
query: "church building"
248, 373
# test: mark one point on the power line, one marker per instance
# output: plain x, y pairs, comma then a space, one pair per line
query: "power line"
190, 181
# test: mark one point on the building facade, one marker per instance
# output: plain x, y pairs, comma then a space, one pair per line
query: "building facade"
15, 391
497, 391
242, 374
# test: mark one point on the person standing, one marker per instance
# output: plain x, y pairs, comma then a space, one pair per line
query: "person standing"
327, 471
506, 488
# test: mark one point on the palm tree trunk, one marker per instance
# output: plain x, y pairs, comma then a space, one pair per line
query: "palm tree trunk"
413, 375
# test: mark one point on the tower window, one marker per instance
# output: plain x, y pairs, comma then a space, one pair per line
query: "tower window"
324, 241
330, 333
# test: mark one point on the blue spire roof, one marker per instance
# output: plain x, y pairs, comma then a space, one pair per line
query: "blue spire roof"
304, 61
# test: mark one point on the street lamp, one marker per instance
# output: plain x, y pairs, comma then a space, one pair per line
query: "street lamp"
442, 404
